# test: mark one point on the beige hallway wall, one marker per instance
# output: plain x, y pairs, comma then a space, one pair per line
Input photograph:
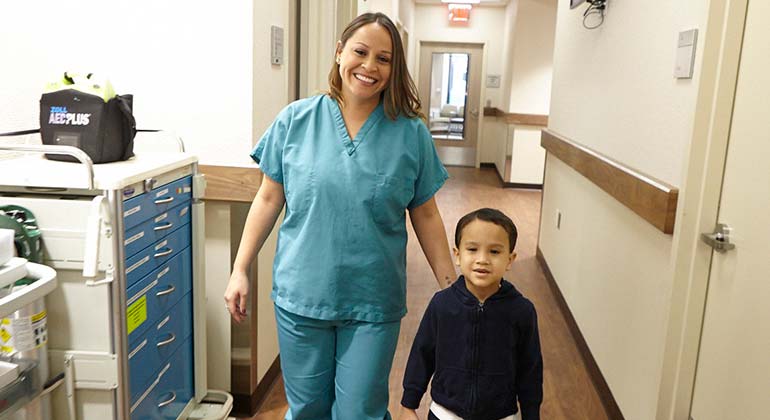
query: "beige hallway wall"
614, 91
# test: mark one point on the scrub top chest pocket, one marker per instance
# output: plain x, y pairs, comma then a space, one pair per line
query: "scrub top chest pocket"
299, 187
392, 195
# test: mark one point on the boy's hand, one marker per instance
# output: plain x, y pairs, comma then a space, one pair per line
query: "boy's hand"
407, 414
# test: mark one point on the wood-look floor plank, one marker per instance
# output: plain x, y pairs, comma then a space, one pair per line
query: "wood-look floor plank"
569, 393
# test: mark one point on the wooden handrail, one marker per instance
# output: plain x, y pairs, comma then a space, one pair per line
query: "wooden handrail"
516, 118
231, 183
653, 200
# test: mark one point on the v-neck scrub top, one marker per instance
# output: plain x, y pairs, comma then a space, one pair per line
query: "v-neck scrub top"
341, 252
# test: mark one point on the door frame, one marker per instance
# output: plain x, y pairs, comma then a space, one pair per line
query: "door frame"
699, 205
482, 86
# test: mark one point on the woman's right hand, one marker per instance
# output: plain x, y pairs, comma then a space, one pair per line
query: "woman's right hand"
407, 414
235, 295
263, 213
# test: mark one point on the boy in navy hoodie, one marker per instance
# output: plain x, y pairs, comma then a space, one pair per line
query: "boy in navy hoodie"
478, 338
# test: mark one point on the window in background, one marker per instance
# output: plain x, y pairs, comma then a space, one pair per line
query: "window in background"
449, 91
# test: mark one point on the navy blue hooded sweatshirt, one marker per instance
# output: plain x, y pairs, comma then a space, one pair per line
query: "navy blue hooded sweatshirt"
483, 357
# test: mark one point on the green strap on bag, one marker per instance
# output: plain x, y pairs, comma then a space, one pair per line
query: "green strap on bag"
87, 84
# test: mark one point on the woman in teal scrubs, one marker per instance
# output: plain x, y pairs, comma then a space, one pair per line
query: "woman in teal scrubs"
347, 165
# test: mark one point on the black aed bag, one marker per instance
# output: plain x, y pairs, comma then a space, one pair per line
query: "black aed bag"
86, 113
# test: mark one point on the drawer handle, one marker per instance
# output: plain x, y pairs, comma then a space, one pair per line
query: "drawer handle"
164, 200
163, 227
164, 253
167, 291
168, 401
167, 341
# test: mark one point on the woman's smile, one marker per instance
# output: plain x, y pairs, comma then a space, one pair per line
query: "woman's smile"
370, 81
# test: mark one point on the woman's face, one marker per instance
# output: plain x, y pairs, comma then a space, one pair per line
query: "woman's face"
365, 63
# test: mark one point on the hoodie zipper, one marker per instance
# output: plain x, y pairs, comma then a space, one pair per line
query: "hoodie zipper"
475, 357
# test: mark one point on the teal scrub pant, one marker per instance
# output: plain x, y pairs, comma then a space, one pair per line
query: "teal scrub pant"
335, 370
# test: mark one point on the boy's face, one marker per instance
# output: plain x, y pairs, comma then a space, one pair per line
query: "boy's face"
483, 257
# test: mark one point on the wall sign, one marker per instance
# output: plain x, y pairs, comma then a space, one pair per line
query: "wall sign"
493, 80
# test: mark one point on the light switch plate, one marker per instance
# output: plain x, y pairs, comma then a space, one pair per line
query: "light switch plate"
685, 54
276, 45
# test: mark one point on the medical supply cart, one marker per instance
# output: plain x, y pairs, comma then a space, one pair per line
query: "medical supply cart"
127, 323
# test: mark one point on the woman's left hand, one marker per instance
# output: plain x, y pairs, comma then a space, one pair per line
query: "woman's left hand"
429, 227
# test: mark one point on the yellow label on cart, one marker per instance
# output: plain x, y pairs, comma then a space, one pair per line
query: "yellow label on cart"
136, 314
4, 335
38, 316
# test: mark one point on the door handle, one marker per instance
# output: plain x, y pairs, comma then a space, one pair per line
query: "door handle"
719, 239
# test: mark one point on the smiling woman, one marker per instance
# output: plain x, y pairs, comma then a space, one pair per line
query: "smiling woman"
347, 165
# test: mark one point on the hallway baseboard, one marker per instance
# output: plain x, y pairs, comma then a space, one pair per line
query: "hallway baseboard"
247, 405
605, 394
492, 165
522, 186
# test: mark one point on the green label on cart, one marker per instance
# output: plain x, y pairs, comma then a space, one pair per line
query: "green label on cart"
136, 314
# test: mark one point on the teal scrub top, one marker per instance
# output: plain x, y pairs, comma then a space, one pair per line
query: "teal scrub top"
341, 252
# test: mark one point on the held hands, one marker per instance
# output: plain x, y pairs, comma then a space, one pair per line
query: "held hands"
235, 295
407, 414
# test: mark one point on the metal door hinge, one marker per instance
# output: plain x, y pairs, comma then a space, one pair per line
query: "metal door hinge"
720, 239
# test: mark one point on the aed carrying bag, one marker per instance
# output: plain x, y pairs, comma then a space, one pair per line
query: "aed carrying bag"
87, 114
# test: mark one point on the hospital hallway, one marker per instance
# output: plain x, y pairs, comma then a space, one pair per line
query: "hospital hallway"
568, 392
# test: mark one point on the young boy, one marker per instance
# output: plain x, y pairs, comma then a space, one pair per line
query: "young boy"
478, 338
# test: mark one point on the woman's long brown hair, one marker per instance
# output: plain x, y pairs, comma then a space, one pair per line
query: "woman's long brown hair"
400, 96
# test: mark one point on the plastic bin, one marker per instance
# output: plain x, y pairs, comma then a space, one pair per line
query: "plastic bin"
23, 342
9, 372
16, 397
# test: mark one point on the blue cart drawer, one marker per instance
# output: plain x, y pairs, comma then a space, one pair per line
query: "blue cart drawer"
156, 201
156, 293
148, 259
147, 353
176, 387
170, 389
151, 230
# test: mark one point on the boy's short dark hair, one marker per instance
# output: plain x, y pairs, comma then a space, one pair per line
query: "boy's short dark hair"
488, 215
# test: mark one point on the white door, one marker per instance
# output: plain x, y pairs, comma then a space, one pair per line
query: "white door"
733, 372
450, 92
